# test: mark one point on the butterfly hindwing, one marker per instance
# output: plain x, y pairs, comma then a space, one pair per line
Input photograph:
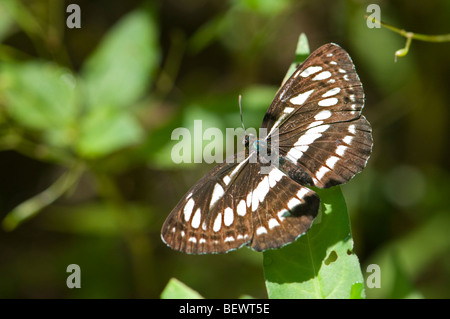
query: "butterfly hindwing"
286, 212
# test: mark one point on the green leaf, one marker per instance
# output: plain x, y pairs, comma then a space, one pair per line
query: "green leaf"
175, 289
321, 263
106, 131
41, 96
120, 70
301, 53
6, 21
263, 7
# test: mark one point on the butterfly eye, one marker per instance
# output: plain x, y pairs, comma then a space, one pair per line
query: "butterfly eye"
246, 141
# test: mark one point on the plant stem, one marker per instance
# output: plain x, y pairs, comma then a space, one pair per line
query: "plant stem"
410, 36
35, 204
413, 35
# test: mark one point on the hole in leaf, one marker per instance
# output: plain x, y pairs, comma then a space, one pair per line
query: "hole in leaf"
349, 252
332, 257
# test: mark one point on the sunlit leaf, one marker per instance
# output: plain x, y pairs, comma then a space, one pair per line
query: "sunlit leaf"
122, 67
41, 96
106, 131
175, 289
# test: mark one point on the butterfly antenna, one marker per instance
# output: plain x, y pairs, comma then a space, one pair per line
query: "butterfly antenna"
240, 111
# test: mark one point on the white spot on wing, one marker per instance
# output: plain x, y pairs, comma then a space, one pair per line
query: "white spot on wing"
228, 216
332, 92
322, 115
217, 223
261, 230
322, 76
275, 176
249, 198
288, 109
229, 238
340, 150
216, 195
273, 223
348, 139
241, 209
226, 179
301, 98
281, 214
311, 135
260, 192
294, 154
352, 129
310, 70
321, 172
302, 148
328, 102
188, 209
308, 139
238, 167
317, 129
294, 202
196, 219
302, 192
193, 239
332, 161
314, 124
255, 200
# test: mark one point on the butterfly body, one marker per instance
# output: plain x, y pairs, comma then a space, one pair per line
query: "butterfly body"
316, 136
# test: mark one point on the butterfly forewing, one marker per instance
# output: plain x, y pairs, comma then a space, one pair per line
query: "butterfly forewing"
326, 81
196, 224
321, 131
323, 140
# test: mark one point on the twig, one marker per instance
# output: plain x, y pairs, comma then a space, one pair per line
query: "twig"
410, 36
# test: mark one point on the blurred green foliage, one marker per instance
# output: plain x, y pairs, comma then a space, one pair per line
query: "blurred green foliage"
86, 117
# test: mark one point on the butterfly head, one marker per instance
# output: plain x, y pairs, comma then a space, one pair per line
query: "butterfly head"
250, 141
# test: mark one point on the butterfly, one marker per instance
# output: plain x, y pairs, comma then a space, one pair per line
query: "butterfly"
322, 141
